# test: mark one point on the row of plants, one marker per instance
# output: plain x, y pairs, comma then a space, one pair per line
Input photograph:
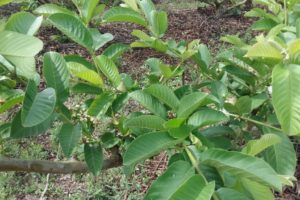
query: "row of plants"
227, 129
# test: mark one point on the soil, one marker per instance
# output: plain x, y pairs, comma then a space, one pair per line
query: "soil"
203, 24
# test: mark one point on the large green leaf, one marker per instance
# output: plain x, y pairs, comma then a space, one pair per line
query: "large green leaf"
286, 97
146, 121
230, 194
119, 14
69, 136
166, 184
49, 9
56, 74
159, 23
255, 147
194, 188
37, 107
242, 166
206, 117
164, 94
147, 7
256, 190
19, 131
23, 22
147, 146
87, 10
19, 45
149, 102
190, 103
81, 71
110, 70
25, 67
282, 156
93, 157
73, 28
99, 40
101, 104
264, 49
115, 50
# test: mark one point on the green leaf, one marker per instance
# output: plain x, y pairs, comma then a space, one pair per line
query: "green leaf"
206, 117
99, 40
147, 7
19, 45
286, 97
190, 103
115, 50
109, 69
49, 9
166, 184
146, 121
164, 94
69, 136
101, 104
94, 158
256, 190
298, 28
19, 131
235, 40
230, 194
4, 2
119, 14
37, 107
87, 10
56, 74
147, 146
149, 102
294, 47
159, 23
23, 22
81, 71
255, 147
85, 89
276, 155
202, 57
242, 166
264, 49
11, 102
73, 28
181, 132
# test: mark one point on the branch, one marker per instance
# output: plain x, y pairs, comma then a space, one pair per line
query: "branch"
53, 167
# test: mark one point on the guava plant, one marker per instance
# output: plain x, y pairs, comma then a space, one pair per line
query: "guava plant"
226, 131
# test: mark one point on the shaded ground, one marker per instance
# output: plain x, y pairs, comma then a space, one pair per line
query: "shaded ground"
187, 25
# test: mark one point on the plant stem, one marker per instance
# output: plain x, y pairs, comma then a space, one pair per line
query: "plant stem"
255, 122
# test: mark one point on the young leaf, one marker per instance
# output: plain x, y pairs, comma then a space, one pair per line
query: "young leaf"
81, 71
94, 158
190, 103
99, 40
166, 184
149, 102
164, 94
37, 107
73, 28
147, 7
146, 121
147, 146
119, 14
243, 166
69, 136
255, 147
286, 97
109, 69
264, 49
56, 74
23, 22
159, 23
206, 117
19, 131
87, 10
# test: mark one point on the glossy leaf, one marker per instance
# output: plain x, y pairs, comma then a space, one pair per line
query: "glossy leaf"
87, 10
190, 103
101, 104
49, 9
159, 23
69, 136
147, 146
264, 50
115, 50
37, 107
230, 194
93, 157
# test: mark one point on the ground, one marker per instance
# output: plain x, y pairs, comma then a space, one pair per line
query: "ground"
186, 22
